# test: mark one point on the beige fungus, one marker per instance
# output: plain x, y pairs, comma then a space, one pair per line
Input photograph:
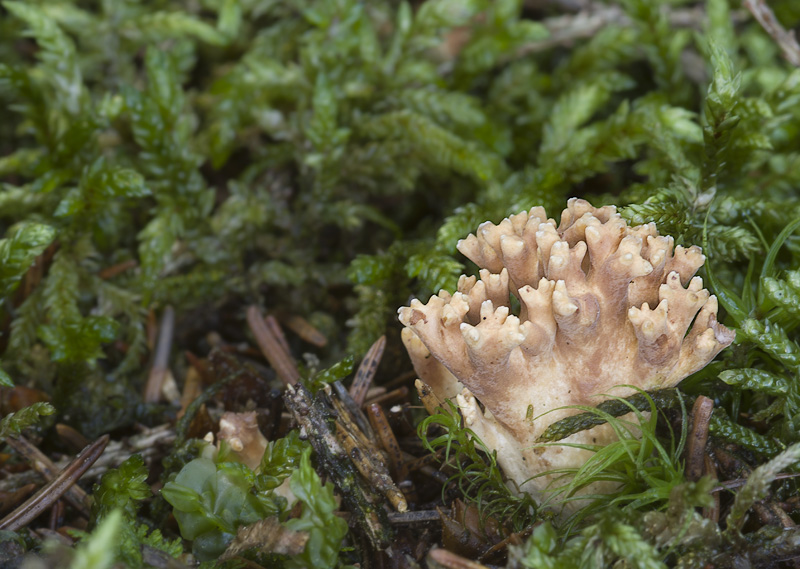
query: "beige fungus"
601, 304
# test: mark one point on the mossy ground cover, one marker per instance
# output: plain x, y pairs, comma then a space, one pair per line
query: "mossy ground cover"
166, 164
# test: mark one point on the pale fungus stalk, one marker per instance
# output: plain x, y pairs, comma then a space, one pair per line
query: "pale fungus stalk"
601, 304
244, 438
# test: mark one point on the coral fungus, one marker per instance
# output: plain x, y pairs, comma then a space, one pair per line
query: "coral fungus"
601, 304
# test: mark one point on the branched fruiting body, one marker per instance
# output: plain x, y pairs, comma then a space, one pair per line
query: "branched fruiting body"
602, 304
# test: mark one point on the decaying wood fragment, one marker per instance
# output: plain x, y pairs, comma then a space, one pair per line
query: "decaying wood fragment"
368, 460
269, 536
316, 418
366, 371
34, 506
353, 408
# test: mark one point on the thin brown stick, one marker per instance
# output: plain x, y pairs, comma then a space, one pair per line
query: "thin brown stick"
423, 464
380, 424
305, 330
276, 355
158, 373
449, 560
400, 394
44, 466
698, 437
119, 268
418, 462
419, 516
739, 482
277, 331
71, 437
57, 515
34, 506
366, 371
783, 37
712, 512
152, 444
567, 29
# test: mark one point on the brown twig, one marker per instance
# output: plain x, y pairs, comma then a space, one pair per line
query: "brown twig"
34, 506
381, 426
739, 482
277, 332
425, 465
271, 347
712, 512
366, 371
400, 394
119, 268
449, 560
44, 466
565, 30
305, 330
783, 37
398, 518
71, 437
151, 444
418, 462
698, 437
160, 369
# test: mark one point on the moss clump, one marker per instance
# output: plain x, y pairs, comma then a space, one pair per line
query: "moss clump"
321, 159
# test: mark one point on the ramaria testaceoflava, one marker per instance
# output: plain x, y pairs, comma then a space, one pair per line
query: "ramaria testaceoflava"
602, 304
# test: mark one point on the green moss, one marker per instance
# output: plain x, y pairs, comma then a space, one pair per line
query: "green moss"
322, 158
